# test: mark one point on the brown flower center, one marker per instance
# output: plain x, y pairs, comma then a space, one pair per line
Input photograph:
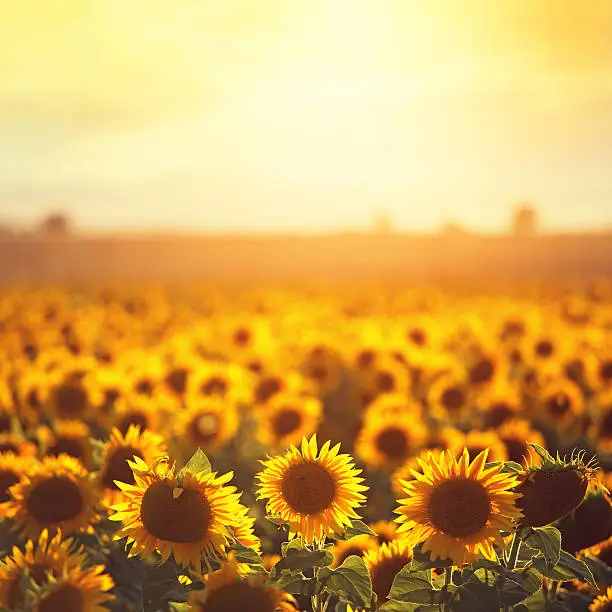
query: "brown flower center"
286, 421
205, 427
54, 500
516, 449
144, 387
117, 467
453, 398
559, 405
482, 372
177, 380
393, 443
385, 382
267, 388
574, 370
111, 396
605, 425
459, 508
498, 414
544, 348
66, 598
184, 520
71, 400
384, 572
5, 423
9, 447
605, 371
318, 372
417, 336
67, 445
242, 337
133, 418
7, 479
308, 488
365, 359
215, 385
347, 552
238, 597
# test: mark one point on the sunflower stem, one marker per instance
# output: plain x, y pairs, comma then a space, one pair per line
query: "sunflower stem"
552, 591
448, 580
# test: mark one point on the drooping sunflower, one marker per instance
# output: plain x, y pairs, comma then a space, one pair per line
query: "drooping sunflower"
316, 491
69, 437
82, 589
457, 508
227, 591
603, 603
384, 563
386, 440
12, 468
55, 494
184, 514
47, 556
358, 546
118, 450
208, 423
287, 418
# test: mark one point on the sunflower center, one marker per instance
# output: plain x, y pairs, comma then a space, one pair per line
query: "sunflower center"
144, 387
385, 382
516, 449
7, 479
54, 500
318, 372
393, 443
544, 348
177, 380
111, 396
9, 447
117, 467
605, 371
308, 488
365, 359
605, 425
384, 572
482, 372
238, 597
69, 446
347, 552
242, 337
453, 398
497, 414
185, 519
5, 423
574, 370
417, 336
559, 405
67, 598
267, 388
205, 427
32, 399
286, 421
71, 400
459, 508
133, 418
215, 385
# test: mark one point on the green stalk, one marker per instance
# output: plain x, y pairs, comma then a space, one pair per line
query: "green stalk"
448, 580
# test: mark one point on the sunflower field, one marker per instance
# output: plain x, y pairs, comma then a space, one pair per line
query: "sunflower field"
319, 449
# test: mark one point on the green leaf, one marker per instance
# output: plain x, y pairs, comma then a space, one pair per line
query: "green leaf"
601, 571
568, 568
351, 581
198, 463
246, 555
358, 528
422, 560
518, 586
401, 606
275, 520
545, 539
176, 606
542, 452
295, 544
475, 597
160, 586
300, 586
414, 587
296, 560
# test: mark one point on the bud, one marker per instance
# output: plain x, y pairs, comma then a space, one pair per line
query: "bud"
554, 488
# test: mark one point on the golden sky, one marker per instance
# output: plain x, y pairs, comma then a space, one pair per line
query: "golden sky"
306, 114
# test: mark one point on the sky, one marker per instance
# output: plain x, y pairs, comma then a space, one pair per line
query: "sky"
312, 115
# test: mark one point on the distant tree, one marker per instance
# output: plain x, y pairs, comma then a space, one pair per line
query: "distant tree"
525, 220
56, 224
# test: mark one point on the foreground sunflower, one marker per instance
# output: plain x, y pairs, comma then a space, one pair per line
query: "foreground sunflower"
227, 591
603, 603
55, 494
315, 491
182, 513
457, 508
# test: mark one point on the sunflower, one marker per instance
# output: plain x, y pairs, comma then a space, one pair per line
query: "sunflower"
477, 441
355, 546
227, 591
384, 530
41, 558
603, 371
601, 427
323, 367
12, 468
55, 494
186, 513
287, 418
69, 437
208, 423
82, 589
449, 398
275, 382
386, 376
500, 404
446, 438
17, 444
315, 491
560, 401
116, 452
601, 551
226, 381
484, 370
457, 508
384, 563
136, 410
386, 440
603, 603
69, 399
515, 434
